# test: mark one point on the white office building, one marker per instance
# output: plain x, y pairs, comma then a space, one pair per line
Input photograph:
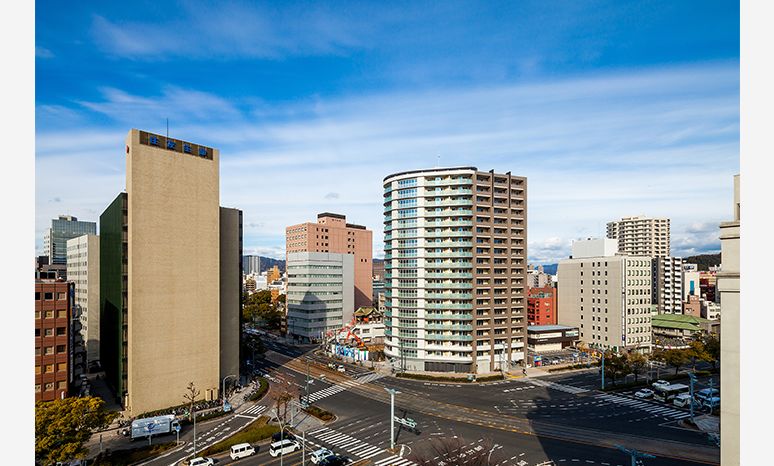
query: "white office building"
607, 297
83, 270
320, 293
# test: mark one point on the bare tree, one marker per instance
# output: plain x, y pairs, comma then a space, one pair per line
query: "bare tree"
190, 397
282, 400
454, 452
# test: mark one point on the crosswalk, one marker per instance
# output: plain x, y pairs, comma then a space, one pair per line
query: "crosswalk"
338, 388
651, 408
362, 450
255, 410
557, 386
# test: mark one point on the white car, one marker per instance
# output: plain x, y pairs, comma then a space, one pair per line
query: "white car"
644, 393
341, 368
201, 461
660, 383
320, 455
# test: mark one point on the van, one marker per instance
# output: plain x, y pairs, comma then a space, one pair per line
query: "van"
683, 400
283, 446
706, 394
241, 450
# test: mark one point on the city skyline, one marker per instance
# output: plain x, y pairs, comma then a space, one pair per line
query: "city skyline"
622, 118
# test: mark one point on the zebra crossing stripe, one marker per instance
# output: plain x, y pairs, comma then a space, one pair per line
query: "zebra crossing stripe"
385, 461
402, 462
366, 456
319, 430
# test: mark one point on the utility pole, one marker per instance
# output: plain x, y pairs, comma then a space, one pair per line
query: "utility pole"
693, 379
392, 393
603, 371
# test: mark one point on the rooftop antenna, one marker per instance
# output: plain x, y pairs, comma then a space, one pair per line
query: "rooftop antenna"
439, 161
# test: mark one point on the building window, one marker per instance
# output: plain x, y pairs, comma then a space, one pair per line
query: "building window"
61, 331
37, 388
49, 368
61, 367
61, 348
49, 386
49, 350
37, 298
62, 385
49, 332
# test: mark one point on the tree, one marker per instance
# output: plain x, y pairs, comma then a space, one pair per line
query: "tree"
697, 350
673, 357
63, 426
637, 364
712, 346
190, 397
282, 401
615, 365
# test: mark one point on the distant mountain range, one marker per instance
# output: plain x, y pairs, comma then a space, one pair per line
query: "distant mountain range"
268, 262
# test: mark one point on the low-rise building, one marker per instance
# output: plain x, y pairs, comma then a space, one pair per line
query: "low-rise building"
668, 327
369, 325
548, 338
692, 306
710, 310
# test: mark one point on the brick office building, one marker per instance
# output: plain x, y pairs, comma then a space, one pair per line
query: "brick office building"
541, 306
53, 339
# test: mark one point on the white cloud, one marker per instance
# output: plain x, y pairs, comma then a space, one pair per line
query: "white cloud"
594, 149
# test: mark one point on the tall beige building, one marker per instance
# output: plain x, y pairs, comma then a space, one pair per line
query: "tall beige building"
607, 296
728, 287
641, 236
332, 233
166, 291
455, 242
83, 271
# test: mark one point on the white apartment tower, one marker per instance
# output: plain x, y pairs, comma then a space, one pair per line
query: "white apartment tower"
641, 236
607, 297
455, 242
320, 293
668, 285
83, 270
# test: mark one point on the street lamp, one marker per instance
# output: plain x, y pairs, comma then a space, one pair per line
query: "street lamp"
282, 431
392, 393
224, 390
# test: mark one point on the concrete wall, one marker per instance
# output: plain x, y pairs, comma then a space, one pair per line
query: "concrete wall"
174, 275
230, 290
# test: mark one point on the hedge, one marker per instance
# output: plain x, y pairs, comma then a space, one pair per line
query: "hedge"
254, 432
488, 378
264, 386
131, 456
319, 413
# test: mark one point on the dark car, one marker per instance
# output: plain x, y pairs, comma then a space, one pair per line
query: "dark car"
336, 460
282, 436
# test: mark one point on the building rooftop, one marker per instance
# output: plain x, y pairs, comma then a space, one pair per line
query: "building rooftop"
680, 321
547, 328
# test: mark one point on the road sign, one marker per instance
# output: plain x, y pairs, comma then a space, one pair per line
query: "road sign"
177, 427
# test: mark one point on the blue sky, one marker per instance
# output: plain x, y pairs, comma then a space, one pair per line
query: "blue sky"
609, 108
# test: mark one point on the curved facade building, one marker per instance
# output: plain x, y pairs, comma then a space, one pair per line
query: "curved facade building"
455, 242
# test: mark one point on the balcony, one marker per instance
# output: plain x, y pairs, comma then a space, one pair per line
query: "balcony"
448, 296
442, 336
449, 286
447, 316
448, 254
449, 306
449, 275
448, 182
448, 234
450, 327
449, 223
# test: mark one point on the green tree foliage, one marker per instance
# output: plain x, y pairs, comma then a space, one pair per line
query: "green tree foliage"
63, 426
673, 357
615, 366
258, 306
712, 347
638, 362
697, 352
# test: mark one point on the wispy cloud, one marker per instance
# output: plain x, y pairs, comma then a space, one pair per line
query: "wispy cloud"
229, 30
594, 148
42, 52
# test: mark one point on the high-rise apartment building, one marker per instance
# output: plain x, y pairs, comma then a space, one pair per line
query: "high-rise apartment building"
62, 229
607, 297
53, 347
641, 236
728, 287
668, 284
169, 257
537, 278
251, 265
83, 272
333, 234
455, 269
320, 296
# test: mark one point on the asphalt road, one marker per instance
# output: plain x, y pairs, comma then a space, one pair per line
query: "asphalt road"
558, 419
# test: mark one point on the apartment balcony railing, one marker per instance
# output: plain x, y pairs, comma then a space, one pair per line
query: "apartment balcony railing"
449, 306
449, 254
447, 316
449, 275
449, 182
447, 286
448, 295
448, 327
447, 234
441, 336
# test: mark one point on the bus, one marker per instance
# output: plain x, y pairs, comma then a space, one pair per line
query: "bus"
668, 393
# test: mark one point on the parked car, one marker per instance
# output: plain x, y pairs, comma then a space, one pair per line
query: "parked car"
644, 393
683, 400
335, 460
321, 454
341, 368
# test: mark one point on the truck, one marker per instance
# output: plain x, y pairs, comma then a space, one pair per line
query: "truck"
157, 425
